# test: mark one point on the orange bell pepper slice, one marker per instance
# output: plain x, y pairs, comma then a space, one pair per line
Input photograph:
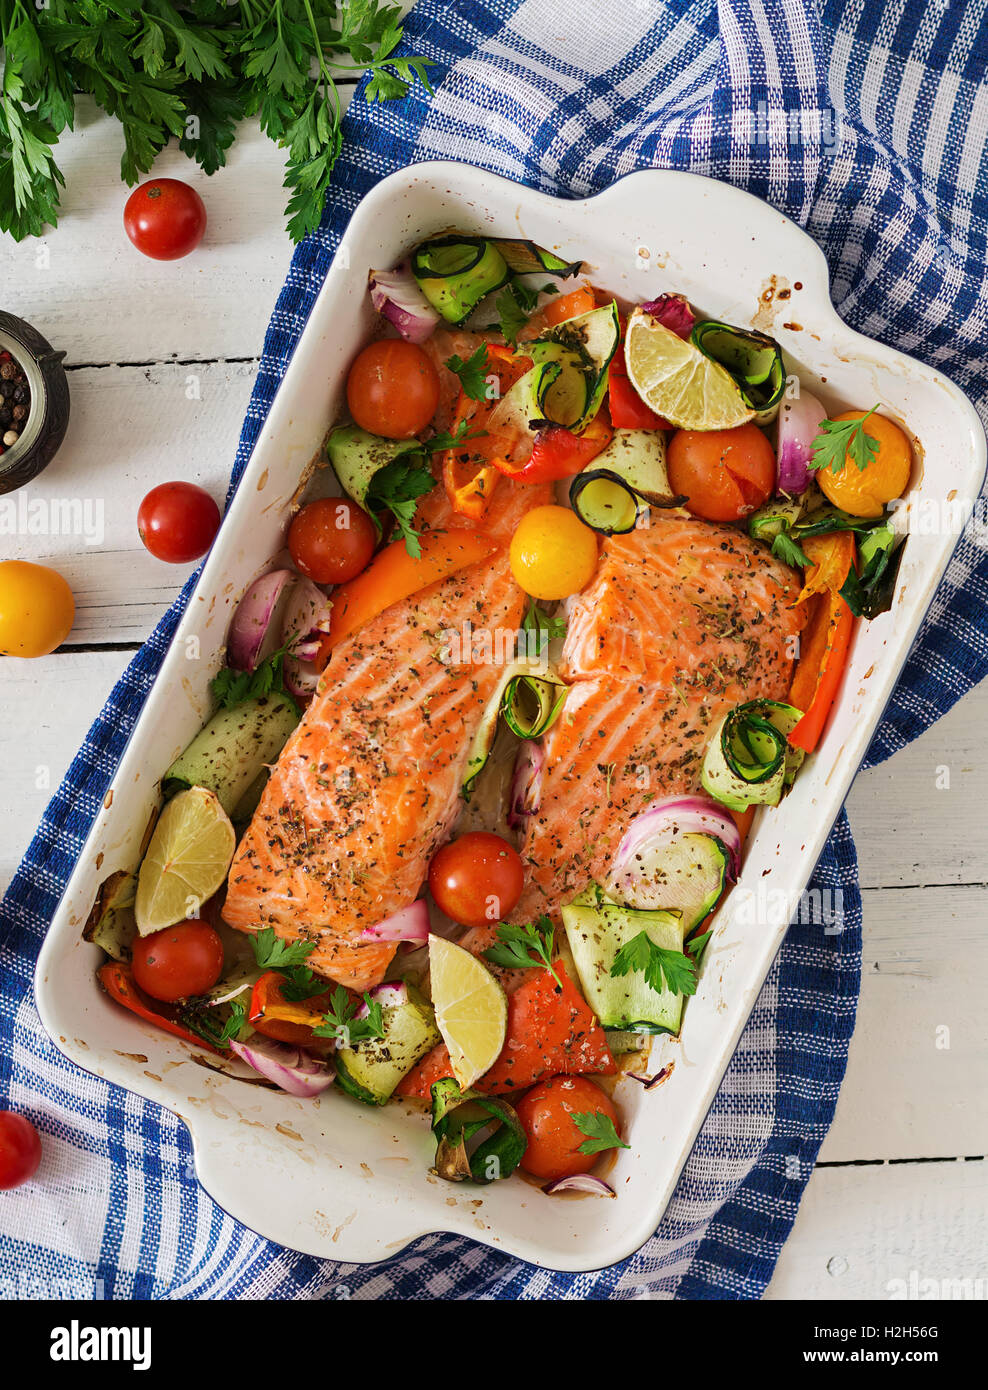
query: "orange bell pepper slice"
394, 575
118, 981
276, 1017
469, 476
570, 306
831, 556
823, 657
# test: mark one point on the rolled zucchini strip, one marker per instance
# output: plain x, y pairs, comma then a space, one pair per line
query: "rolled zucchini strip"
749, 761
456, 272
753, 359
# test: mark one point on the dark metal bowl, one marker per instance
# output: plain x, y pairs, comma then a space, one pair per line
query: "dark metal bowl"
44, 429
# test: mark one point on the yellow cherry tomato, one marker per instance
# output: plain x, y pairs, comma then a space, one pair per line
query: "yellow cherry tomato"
36, 609
864, 491
552, 553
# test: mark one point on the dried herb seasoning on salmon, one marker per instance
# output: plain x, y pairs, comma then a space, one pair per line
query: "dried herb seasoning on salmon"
460, 826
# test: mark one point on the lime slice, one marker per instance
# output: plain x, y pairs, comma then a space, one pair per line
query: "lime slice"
471, 1009
186, 861
690, 390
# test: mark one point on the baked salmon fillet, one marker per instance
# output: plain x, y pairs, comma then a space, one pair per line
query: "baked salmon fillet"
368, 786
683, 620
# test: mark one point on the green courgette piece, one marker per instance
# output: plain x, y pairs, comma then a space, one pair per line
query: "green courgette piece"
456, 272
596, 933
530, 696
869, 590
112, 925
749, 761
753, 359
233, 749
358, 457
584, 345
773, 518
638, 458
525, 258
457, 1117
604, 502
823, 520
621, 1041
371, 1070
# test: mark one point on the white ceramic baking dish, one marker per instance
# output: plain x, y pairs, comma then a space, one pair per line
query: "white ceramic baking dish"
334, 1178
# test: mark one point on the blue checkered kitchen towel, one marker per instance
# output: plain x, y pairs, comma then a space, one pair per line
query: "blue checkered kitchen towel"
868, 124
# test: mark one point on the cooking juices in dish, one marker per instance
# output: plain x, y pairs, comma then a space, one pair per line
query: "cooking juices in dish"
486, 751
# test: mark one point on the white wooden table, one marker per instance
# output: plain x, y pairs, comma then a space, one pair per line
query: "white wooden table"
161, 357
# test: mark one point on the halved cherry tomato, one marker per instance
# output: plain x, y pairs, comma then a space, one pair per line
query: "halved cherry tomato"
331, 540
178, 961
282, 1019
476, 879
20, 1149
118, 981
723, 474
554, 1139
392, 389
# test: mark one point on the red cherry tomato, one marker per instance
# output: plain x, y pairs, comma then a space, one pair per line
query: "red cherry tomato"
178, 961
178, 522
267, 1002
392, 389
165, 219
724, 474
20, 1149
476, 879
331, 540
554, 1139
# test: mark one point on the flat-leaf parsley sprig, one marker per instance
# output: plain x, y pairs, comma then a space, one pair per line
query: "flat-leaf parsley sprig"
839, 440
340, 1020
518, 948
663, 969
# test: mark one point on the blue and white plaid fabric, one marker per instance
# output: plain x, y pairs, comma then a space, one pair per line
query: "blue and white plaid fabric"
868, 124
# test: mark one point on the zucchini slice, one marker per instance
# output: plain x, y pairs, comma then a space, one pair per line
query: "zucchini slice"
371, 1070
753, 359
530, 696
233, 749
357, 458
687, 874
604, 502
595, 934
112, 925
749, 761
585, 344
526, 258
773, 518
456, 272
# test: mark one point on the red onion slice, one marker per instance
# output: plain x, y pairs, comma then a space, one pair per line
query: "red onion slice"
253, 618
526, 785
681, 815
674, 312
395, 295
301, 678
580, 1182
306, 620
411, 923
650, 1082
393, 994
294, 1070
799, 425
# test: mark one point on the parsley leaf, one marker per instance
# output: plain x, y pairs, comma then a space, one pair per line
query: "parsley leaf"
789, 551
397, 487
517, 948
340, 1020
232, 688
473, 373
663, 969
512, 316
273, 953
443, 440
216, 1023
537, 620
600, 1131
839, 439
697, 945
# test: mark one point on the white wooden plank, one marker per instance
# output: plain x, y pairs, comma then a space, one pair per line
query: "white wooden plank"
919, 818
97, 298
130, 428
918, 1061
876, 1233
48, 705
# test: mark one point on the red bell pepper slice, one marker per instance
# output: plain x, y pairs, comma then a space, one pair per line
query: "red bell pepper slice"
118, 981
559, 453
279, 1018
550, 1032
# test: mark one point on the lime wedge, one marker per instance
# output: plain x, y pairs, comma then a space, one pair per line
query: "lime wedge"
471, 1009
674, 377
186, 861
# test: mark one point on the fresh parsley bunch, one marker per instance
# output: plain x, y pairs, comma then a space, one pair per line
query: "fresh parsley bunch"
190, 71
